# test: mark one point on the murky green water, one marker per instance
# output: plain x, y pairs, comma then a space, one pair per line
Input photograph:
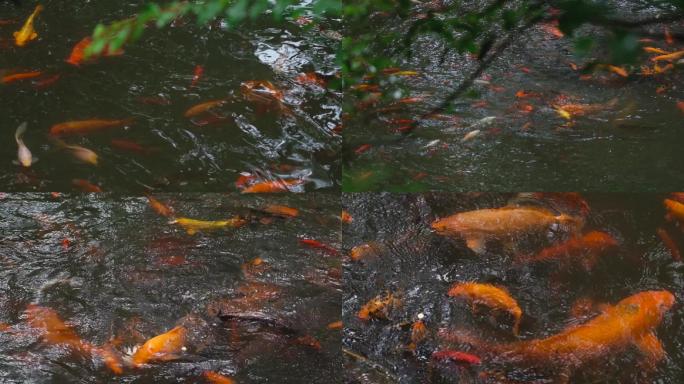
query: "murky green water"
626, 139
419, 266
115, 270
151, 83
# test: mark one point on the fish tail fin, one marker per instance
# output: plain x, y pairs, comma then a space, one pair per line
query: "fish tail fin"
516, 326
21, 129
38, 9
14, 34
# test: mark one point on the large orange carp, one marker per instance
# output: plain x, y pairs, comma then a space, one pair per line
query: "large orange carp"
630, 322
506, 224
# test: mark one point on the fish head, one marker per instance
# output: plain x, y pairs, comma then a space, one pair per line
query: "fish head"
648, 307
444, 226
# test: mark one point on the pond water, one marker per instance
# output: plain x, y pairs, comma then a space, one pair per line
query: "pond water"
622, 134
418, 266
118, 274
153, 84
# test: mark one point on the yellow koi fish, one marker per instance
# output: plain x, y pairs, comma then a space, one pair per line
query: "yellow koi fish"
192, 225
27, 33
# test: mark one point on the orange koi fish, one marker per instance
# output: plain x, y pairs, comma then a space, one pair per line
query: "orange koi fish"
160, 207
216, 378
378, 307
55, 331
335, 325
273, 186
418, 334
82, 127
675, 208
584, 250
656, 50
199, 70
77, 56
281, 210
311, 78
20, 76
27, 33
264, 93
506, 223
456, 356
490, 296
346, 217
85, 185
318, 245
364, 251
81, 154
670, 244
631, 322
163, 347
203, 107
669, 57
131, 146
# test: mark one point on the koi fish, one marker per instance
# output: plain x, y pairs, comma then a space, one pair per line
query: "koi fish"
630, 322
191, 226
81, 127
81, 154
281, 210
199, 70
24, 156
583, 249
77, 56
263, 93
216, 378
163, 347
160, 207
506, 223
335, 325
378, 307
418, 334
273, 186
490, 296
318, 245
20, 76
132, 146
669, 243
346, 217
675, 208
363, 251
27, 33
85, 185
203, 107
456, 356
669, 57
656, 50
55, 331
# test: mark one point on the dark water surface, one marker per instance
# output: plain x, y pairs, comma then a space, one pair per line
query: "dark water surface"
628, 139
151, 83
117, 272
419, 266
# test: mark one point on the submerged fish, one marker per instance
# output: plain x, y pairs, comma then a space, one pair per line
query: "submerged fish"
81, 154
582, 250
81, 127
164, 347
160, 207
20, 76
203, 107
27, 33
264, 93
378, 307
490, 296
631, 322
24, 156
217, 378
506, 223
55, 330
192, 226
